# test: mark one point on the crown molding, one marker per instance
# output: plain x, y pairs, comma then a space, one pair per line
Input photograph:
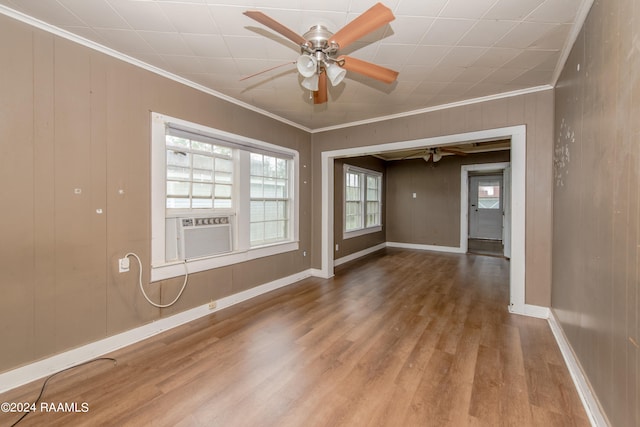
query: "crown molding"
34, 22
437, 108
29, 20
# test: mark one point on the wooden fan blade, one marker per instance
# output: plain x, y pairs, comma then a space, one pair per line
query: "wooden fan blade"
452, 151
320, 96
369, 21
265, 71
267, 21
421, 151
368, 69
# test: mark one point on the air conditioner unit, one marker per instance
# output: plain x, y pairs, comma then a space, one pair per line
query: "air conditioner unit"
199, 237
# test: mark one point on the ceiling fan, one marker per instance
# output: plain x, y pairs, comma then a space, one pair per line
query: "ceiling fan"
434, 154
320, 61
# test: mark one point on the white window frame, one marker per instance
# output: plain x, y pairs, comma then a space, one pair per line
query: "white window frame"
364, 229
162, 269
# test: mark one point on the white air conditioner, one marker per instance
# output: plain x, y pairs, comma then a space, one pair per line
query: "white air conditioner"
198, 237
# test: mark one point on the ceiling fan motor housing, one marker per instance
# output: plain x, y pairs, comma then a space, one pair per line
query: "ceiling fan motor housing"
318, 40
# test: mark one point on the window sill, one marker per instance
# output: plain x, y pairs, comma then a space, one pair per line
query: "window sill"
351, 234
176, 269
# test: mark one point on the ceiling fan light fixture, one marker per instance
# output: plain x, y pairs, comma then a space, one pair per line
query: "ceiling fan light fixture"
335, 73
307, 65
310, 83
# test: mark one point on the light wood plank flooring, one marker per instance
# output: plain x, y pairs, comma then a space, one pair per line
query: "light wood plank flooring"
398, 338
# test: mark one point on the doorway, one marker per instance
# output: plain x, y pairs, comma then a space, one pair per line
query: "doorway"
517, 203
486, 214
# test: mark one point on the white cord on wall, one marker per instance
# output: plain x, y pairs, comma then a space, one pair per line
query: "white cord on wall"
184, 284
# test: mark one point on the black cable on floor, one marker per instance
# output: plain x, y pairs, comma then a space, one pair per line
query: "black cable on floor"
44, 385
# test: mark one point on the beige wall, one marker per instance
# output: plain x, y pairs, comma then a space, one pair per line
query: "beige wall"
596, 240
433, 217
354, 244
72, 118
534, 110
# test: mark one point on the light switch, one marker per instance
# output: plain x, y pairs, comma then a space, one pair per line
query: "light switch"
414, 195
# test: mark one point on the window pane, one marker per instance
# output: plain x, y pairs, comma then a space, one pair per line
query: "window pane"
269, 166
270, 211
224, 151
223, 191
256, 164
198, 165
176, 188
202, 190
257, 211
256, 187
178, 203
177, 173
282, 170
222, 203
202, 162
269, 198
283, 210
202, 175
257, 232
202, 146
202, 203
224, 165
270, 230
223, 177
174, 141
281, 189
269, 188
178, 158
362, 196
489, 195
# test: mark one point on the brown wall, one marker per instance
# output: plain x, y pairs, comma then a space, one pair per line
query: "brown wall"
596, 240
72, 118
534, 110
433, 217
359, 243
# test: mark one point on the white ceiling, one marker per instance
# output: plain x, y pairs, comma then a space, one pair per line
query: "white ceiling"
445, 50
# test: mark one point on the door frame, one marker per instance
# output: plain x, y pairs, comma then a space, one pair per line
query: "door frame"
517, 135
464, 196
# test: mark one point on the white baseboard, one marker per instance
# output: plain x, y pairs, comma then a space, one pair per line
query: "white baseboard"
359, 254
435, 248
588, 398
42, 368
317, 272
530, 310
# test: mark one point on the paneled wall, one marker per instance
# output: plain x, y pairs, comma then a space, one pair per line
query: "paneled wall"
75, 173
596, 229
433, 216
535, 110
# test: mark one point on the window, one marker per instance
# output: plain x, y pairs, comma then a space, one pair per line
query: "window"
269, 199
362, 201
199, 174
209, 184
489, 195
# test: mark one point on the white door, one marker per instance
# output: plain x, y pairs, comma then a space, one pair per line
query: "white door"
485, 207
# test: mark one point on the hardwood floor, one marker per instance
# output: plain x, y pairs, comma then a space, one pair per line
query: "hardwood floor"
398, 338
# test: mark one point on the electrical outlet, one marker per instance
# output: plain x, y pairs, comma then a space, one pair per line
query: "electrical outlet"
213, 305
123, 265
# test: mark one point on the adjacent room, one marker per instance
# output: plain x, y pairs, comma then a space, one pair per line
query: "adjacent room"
254, 213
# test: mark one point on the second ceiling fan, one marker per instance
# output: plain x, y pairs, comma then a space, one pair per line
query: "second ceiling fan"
319, 60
